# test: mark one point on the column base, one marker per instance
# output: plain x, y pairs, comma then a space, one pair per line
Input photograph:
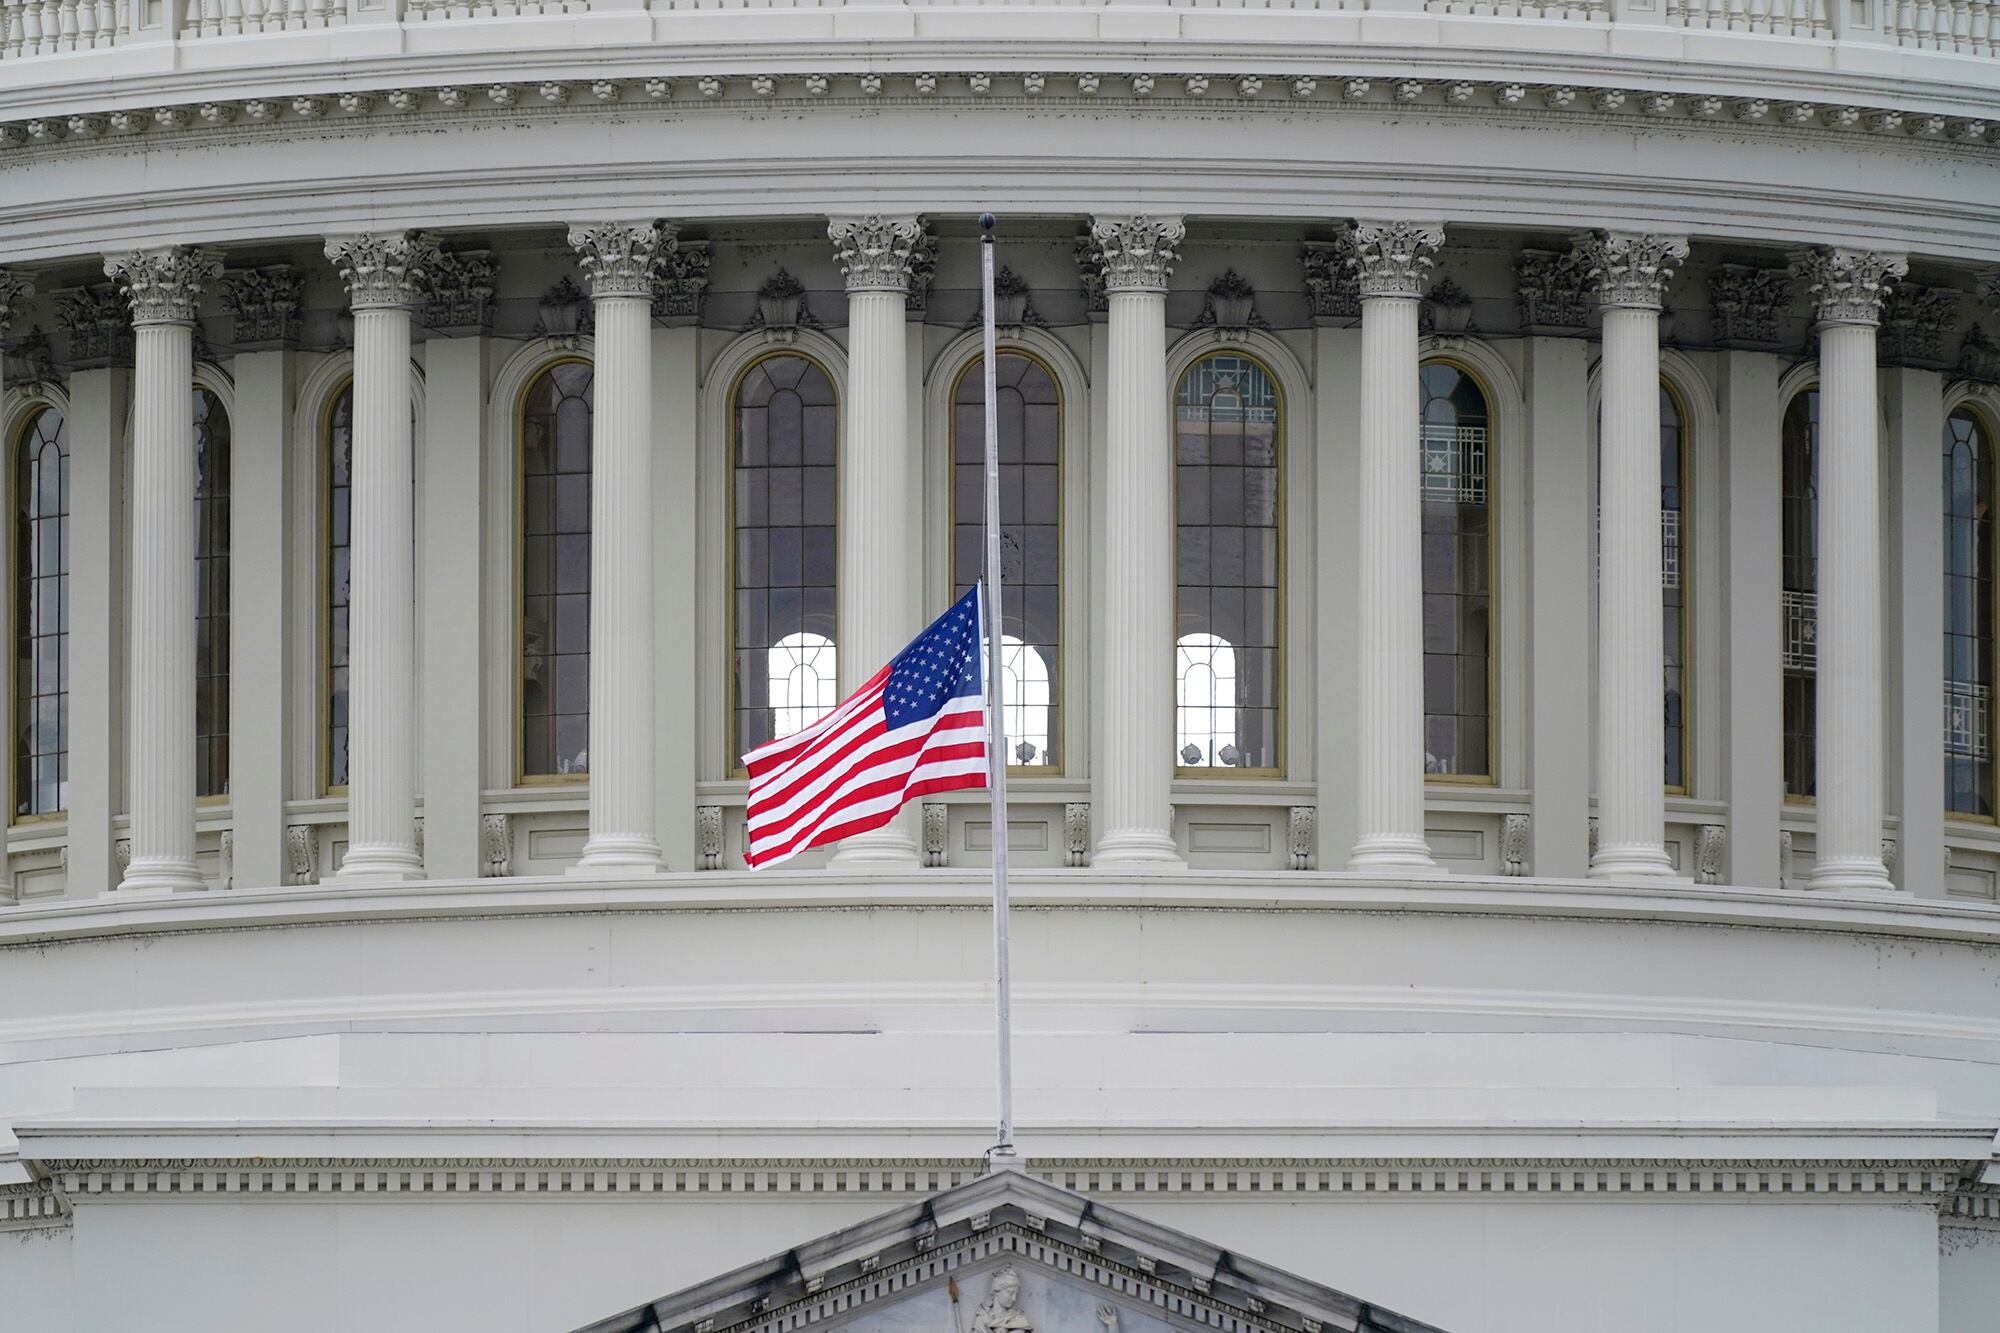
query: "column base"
161, 874
389, 864
1850, 874
1394, 854
1137, 849
878, 849
1640, 860
620, 856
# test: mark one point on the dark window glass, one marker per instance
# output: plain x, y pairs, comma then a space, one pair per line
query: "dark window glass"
339, 556
1454, 434
1226, 543
555, 572
1675, 568
1030, 422
211, 595
1968, 617
1799, 563
41, 616
783, 455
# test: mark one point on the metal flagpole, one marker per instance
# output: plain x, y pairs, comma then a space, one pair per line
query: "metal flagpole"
1002, 1153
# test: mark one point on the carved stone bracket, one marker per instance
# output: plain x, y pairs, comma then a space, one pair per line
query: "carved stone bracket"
121, 852
384, 269
1013, 306
782, 309
1137, 253
1230, 306
708, 837
1914, 322
163, 286
937, 842
302, 853
1553, 290
460, 300
622, 258
1847, 286
1393, 258
1709, 845
683, 285
565, 314
225, 860
1301, 836
882, 254
264, 305
1889, 851
1076, 833
1785, 878
496, 846
1593, 837
1747, 303
1090, 275
1514, 844
15, 290
1630, 270
1333, 292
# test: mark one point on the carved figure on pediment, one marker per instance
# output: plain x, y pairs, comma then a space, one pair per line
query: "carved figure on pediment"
1001, 1311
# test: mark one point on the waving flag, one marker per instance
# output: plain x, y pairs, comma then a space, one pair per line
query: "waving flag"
917, 726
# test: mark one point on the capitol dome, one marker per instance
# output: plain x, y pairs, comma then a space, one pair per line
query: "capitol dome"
1500, 623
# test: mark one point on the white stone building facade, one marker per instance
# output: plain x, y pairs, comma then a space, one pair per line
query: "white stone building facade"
1499, 518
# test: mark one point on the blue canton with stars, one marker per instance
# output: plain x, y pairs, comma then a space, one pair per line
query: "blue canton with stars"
942, 665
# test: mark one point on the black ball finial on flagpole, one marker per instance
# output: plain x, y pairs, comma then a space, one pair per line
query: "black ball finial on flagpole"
987, 222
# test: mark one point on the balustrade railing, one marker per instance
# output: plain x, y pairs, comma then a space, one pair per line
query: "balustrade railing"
54, 27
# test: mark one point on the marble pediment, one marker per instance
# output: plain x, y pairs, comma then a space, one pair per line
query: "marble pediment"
1007, 1253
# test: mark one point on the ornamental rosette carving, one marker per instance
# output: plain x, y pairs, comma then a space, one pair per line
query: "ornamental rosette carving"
384, 269
1748, 302
264, 303
621, 258
163, 286
1630, 270
1847, 286
1392, 258
880, 254
1136, 253
15, 289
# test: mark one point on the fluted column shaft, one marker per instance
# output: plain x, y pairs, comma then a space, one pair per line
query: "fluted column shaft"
1848, 287
1134, 789
877, 530
384, 277
620, 261
1389, 678
1631, 273
163, 287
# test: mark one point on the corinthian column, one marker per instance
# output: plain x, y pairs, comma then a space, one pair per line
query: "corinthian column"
1392, 258
385, 273
1631, 273
1847, 287
878, 533
619, 261
1134, 774
163, 287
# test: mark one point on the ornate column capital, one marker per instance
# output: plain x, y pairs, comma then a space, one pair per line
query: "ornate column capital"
879, 254
15, 289
1630, 270
1847, 286
622, 258
383, 268
163, 286
1136, 253
1391, 258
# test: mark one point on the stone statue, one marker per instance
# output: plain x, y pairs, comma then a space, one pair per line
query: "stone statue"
1001, 1311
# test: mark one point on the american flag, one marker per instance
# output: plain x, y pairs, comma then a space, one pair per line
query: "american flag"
917, 726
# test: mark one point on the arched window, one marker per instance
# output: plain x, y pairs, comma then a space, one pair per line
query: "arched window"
555, 572
1030, 419
339, 551
41, 616
1454, 435
1205, 701
1227, 446
211, 594
784, 437
1968, 616
1799, 562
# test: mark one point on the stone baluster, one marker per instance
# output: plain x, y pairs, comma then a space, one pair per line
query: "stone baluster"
385, 273
620, 261
878, 532
1630, 273
163, 287
1132, 800
1391, 259
1847, 288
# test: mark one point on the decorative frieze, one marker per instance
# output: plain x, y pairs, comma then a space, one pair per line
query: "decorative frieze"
682, 286
708, 837
302, 853
264, 306
1747, 302
621, 258
1847, 286
1629, 269
1137, 253
1514, 844
384, 269
1393, 258
1553, 290
1914, 321
880, 253
99, 329
1333, 291
460, 300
